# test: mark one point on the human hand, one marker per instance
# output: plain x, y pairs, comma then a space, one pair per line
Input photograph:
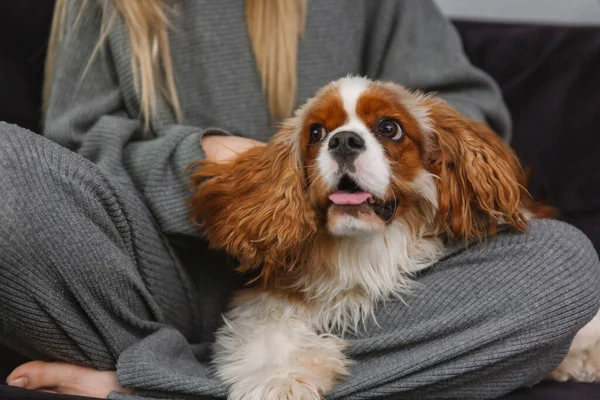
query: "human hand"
64, 378
221, 149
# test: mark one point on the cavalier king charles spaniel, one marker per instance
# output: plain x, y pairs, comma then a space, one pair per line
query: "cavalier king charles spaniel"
358, 191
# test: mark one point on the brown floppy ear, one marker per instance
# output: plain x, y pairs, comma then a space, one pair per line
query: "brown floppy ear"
255, 207
480, 177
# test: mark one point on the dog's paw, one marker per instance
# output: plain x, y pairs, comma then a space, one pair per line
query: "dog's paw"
310, 379
290, 387
580, 366
582, 363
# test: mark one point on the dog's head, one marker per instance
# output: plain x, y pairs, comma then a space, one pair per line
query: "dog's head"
356, 157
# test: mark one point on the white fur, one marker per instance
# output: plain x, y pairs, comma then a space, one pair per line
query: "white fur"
349, 225
351, 88
368, 270
372, 169
413, 101
527, 214
274, 348
582, 362
270, 349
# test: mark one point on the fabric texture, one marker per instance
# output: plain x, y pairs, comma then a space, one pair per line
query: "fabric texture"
100, 265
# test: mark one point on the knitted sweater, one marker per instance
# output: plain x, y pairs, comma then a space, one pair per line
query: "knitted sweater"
97, 114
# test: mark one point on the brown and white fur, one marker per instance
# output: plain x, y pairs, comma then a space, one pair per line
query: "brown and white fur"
355, 193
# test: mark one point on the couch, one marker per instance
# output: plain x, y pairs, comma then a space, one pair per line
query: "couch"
550, 78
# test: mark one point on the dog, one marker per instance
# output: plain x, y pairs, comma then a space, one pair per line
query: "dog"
358, 191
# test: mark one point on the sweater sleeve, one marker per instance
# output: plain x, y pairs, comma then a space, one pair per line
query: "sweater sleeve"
88, 114
413, 44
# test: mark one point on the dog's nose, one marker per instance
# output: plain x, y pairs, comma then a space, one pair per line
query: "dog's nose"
346, 145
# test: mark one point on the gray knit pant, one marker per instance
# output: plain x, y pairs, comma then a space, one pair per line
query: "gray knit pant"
86, 277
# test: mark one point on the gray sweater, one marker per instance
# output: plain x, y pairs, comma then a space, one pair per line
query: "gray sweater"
96, 115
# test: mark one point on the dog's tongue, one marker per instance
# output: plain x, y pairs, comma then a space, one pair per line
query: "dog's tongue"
345, 197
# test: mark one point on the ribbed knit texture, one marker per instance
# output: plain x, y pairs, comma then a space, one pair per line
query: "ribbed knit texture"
89, 273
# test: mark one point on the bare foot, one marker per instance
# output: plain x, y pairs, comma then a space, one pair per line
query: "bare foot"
63, 378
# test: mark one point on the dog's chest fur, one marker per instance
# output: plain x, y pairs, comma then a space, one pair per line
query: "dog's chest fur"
286, 340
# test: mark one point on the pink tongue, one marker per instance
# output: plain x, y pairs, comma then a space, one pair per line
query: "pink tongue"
344, 197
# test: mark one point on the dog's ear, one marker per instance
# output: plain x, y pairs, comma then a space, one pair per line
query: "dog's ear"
255, 207
480, 177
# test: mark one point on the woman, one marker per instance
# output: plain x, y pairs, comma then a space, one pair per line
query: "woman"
101, 268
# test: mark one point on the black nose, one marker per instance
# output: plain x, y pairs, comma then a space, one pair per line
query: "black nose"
347, 145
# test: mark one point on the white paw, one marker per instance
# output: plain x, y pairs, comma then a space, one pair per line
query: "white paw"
582, 363
580, 366
290, 387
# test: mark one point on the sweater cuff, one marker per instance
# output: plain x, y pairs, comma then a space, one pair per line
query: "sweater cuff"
159, 170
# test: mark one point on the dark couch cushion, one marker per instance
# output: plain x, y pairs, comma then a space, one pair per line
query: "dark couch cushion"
9, 393
558, 391
24, 27
550, 79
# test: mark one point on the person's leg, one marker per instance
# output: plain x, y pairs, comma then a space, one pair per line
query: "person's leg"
482, 322
84, 272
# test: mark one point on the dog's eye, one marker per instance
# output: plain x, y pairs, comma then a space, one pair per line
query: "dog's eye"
317, 133
390, 129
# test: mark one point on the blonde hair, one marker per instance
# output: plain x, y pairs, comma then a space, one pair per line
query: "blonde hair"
274, 27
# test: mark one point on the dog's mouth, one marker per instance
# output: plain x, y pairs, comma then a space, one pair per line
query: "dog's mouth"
351, 197
349, 193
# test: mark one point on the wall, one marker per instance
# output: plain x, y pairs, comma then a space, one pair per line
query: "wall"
569, 12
